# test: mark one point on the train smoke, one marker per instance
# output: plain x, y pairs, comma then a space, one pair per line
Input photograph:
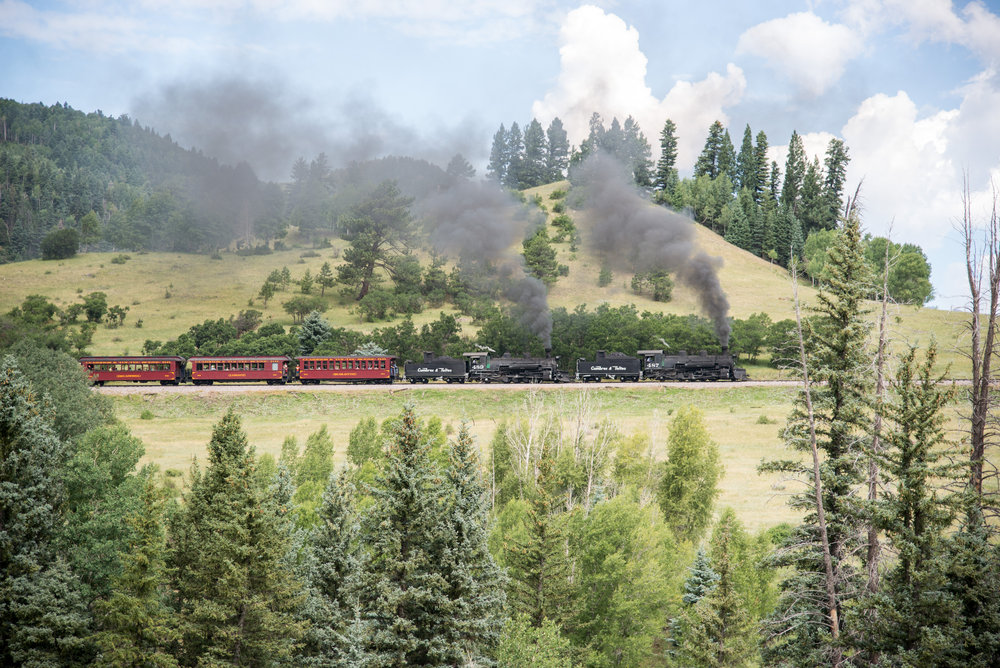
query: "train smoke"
630, 232
480, 223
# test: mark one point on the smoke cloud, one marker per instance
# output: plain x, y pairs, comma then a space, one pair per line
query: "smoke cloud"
480, 223
636, 236
260, 120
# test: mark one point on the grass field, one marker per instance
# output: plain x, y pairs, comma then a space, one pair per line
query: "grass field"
181, 425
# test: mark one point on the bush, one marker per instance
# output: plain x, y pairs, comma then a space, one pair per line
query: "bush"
557, 194
121, 258
146, 414
60, 244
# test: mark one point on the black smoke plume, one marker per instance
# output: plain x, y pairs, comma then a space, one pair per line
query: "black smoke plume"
480, 223
636, 236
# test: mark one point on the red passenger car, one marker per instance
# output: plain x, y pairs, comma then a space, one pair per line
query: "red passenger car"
348, 369
167, 369
275, 369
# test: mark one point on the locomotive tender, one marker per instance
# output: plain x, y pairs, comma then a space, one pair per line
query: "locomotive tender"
654, 365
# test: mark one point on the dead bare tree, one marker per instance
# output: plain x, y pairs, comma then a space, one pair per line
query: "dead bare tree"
981, 262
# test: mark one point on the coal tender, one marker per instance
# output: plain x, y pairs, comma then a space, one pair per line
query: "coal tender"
610, 366
433, 367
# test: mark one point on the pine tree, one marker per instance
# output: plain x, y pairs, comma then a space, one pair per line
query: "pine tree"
738, 229
538, 566
913, 621
325, 278
719, 630
534, 171
727, 157
332, 607
812, 207
637, 153
795, 173
702, 579
666, 166
746, 163
476, 585
558, 155
833, 186
137, 628
514, 152
43, 615
235, 590
763, 169
313, 331
837, 401
496, 168
405, 599
708, 161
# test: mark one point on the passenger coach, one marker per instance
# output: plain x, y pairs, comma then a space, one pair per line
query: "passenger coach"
347, 369
168, 370
275, 369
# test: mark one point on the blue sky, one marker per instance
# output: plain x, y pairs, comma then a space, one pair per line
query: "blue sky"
912, 86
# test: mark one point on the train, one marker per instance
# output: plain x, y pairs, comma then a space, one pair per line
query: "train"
477, 367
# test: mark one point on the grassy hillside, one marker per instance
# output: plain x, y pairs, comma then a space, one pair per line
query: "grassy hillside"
169, 292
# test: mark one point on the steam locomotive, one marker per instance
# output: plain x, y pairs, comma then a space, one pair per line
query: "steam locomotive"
480, 367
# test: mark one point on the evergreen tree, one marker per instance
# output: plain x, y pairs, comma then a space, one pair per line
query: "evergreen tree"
405, 599
738, 227
515, 157
137, 628
476, 585
813, 208
636, 153
708, 162
690, 475
773, 182
313, 331
534, 171
746, 163
727, 157
496, 168
235, 590
719, 630
833, 186
538, 565
763, 169
558, 156
334, 579
324, 279
666, 166
838, 368
43, 616
702, 579
540, 256
795, 173
459, 168
913, 620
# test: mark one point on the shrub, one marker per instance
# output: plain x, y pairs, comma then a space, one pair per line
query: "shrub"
146, 414
60, 244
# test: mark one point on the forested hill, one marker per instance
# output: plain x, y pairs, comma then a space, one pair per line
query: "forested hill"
118, 184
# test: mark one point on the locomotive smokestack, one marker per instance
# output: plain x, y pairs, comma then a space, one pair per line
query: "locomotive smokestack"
725, 350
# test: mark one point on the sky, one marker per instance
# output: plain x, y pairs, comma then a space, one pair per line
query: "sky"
911, 86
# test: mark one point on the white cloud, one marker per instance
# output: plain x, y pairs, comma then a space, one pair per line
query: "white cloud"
604, 71
809, 51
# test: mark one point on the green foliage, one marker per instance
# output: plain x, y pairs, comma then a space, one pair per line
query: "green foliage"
234, 589
314, 331
749, 336
95, 305
540, 256
405, 595
658, 284
909, 271
302, 305
691, 473
312, 473
306, 283
60, 244
524, 645
604, 277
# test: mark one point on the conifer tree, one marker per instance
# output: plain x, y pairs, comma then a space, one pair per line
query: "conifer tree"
913, 620
137, 628
702, 579
833, 185
514, 153
812, 208
746, 163
405, 599
708, 161
313, 331
738, 229
534, 170
666, 166
795, 173
763, 169
727, 157
636, 153
235, 590
558, 155
720, 631
336, 632
43, 615
476, 585
834, 407
538, 566
496, 168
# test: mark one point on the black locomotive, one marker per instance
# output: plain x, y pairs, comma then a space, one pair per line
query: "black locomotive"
659, 366
509, 369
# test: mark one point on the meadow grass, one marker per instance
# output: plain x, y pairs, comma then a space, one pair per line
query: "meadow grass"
181, 425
